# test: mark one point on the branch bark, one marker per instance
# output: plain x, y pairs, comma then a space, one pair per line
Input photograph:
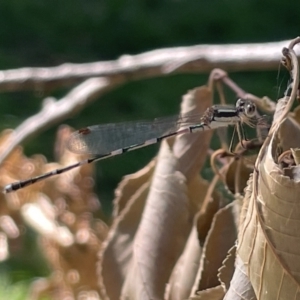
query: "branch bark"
193, 59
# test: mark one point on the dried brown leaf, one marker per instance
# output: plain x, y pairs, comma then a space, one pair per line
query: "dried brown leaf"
168, 214
220, 239
191, 149
269, 239
289, 133
186, 269
296, 156
116, 253
215, 293
240, 285
227, 270
212, 203
183, 275
270, 249
197, 191
165, 217
237, 175
129, 186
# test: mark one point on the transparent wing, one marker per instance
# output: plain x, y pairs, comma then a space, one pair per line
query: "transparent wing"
103, 139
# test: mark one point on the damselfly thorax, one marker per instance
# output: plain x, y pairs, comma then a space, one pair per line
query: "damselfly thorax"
107, 140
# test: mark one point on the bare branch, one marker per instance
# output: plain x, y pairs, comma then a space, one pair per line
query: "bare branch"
193, 59
54, 112
154, 63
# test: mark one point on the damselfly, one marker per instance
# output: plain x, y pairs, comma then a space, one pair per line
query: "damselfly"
107, 140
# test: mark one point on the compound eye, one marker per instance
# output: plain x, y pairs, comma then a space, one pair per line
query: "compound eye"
250, 110
240, 103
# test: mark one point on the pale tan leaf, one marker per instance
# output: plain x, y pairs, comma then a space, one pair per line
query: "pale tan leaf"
237, 175
244, 210
116, 253
168, 214
129, 185
220, 239
215, 293
212, 203
289, 133
197, 190
162, 232
227, 270
269, 239
183, 276
191, 149
240, 285
185, 271
296, 155
272, 252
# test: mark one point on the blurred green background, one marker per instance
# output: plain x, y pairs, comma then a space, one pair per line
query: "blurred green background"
49, 33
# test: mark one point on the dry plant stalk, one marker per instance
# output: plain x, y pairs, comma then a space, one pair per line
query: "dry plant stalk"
172, 234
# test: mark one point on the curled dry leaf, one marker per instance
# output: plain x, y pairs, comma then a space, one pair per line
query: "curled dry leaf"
129, 185
269, 239
213, 201
289, 132
215, 293
237, 167
271, 250
237, 175
296, 157
168, 212
166, 216
191, 149
220, 238
185, 271
116, 253
164, 222
241, 283
227, 269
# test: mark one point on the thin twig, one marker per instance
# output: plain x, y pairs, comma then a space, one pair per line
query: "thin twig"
56, 111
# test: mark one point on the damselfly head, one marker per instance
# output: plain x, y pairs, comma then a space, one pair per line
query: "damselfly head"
248, 108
